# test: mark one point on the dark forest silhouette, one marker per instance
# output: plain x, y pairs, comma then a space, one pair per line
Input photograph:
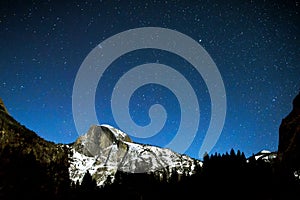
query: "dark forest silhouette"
229, 175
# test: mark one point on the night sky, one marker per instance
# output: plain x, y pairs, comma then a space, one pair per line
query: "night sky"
254, 44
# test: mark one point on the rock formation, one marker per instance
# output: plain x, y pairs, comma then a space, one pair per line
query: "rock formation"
289, 137
104, 149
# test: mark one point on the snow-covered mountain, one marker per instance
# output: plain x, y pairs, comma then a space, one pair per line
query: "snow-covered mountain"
265, 155
104, 149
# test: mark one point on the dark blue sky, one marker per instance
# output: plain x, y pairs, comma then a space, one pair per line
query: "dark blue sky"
254, 44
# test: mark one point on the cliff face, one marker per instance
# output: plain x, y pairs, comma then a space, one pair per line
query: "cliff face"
289, 137
98, 141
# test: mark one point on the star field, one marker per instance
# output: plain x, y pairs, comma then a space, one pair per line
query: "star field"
255, 45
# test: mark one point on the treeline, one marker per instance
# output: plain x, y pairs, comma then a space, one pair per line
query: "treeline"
23, 176
227, 176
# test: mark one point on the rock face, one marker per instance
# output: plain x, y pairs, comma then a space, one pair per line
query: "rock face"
98, 141
104, 149
289, 137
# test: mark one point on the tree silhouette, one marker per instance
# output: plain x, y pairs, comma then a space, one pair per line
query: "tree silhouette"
88, 183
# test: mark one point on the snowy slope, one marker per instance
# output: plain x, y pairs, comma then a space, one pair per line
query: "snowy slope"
265, 155
104, 149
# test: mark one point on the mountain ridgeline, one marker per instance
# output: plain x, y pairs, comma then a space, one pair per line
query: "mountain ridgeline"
106, 163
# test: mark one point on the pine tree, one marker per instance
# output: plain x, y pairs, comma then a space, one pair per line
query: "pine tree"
174, 176
108, 181
88, 183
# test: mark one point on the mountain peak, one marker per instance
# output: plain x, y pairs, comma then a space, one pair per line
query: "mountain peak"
103, 150
120, 135
99, 139
2, 107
